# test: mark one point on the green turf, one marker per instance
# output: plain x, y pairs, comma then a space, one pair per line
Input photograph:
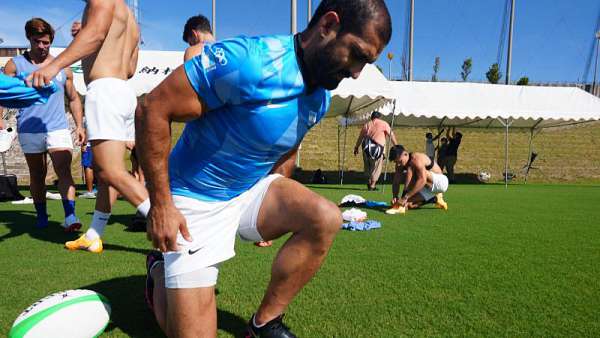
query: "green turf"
522, 261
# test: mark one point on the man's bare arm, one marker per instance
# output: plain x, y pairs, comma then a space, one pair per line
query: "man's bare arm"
419, 181
359, 140
396, 180
75, 106
173, 100
87, 41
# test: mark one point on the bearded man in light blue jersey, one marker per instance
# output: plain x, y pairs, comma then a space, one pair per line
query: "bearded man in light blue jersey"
247, 103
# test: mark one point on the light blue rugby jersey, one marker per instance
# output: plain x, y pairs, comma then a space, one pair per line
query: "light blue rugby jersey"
258, 111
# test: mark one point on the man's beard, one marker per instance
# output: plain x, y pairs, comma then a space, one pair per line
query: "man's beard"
327, 71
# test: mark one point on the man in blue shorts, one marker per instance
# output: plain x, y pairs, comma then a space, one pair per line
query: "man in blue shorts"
247, 104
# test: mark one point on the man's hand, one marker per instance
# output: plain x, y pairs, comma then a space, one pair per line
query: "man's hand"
395, 201
163, 224
42, 76
80, 134
403, 201
355, 151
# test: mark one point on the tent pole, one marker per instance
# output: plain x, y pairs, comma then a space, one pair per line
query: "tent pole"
339, 154
387, 141
529, 154
507, 124
344, 153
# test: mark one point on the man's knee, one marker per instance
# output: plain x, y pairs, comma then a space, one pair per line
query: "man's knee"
327, 218
109, 176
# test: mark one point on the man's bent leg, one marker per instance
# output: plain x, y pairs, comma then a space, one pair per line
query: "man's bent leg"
114, 172
314, 221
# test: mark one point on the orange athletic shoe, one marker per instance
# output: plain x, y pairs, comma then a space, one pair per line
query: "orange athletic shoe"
440, 203
82, 243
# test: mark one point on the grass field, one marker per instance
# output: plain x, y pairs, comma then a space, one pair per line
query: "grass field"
522, 261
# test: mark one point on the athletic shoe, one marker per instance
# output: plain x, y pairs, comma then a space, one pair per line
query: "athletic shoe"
75, 226
273, 329
82, 243
53, 196
88, 195
396, 209
152, 258
440, 203
26, 200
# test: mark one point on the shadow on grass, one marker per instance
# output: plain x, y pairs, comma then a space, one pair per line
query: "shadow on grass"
131, 315
21, 222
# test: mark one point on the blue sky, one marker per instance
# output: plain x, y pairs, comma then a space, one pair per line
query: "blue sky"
552, 39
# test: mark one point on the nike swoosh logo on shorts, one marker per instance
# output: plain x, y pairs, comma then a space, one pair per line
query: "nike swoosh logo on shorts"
191, 252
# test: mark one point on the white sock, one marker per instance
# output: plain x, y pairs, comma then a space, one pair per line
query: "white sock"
144, 207
99, 221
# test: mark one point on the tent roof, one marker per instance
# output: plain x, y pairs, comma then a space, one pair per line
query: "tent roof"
153, 66
370, 91
478, 105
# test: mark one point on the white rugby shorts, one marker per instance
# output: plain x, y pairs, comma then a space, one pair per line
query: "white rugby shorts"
110, 110
213, 227
439, 185
35, 143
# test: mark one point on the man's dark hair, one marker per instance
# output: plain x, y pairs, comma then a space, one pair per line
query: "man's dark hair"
355, 14
38, 27
429, 135
375, 115
458, 134
199, 23
396, 151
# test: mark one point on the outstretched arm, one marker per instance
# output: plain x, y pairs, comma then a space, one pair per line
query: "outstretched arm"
173, 100
438, 134
87, 41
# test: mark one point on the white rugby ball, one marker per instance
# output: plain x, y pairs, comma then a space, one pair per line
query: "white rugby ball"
66, 314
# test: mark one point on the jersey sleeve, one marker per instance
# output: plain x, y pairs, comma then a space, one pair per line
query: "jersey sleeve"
225, 73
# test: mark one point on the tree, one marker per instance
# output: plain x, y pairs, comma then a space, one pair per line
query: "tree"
523, 81
436, 69
493, 74
466, 69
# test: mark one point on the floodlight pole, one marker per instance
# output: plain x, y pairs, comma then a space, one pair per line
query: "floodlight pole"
410, 40
510, 37
214, 18
596, 63
293, 13
309, 11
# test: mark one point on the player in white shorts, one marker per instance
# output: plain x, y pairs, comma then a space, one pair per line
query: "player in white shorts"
247, 103
44, 130
107, 46
423, 180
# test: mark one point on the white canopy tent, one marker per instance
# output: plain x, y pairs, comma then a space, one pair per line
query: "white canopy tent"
478, 105
153, 66
357, 97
